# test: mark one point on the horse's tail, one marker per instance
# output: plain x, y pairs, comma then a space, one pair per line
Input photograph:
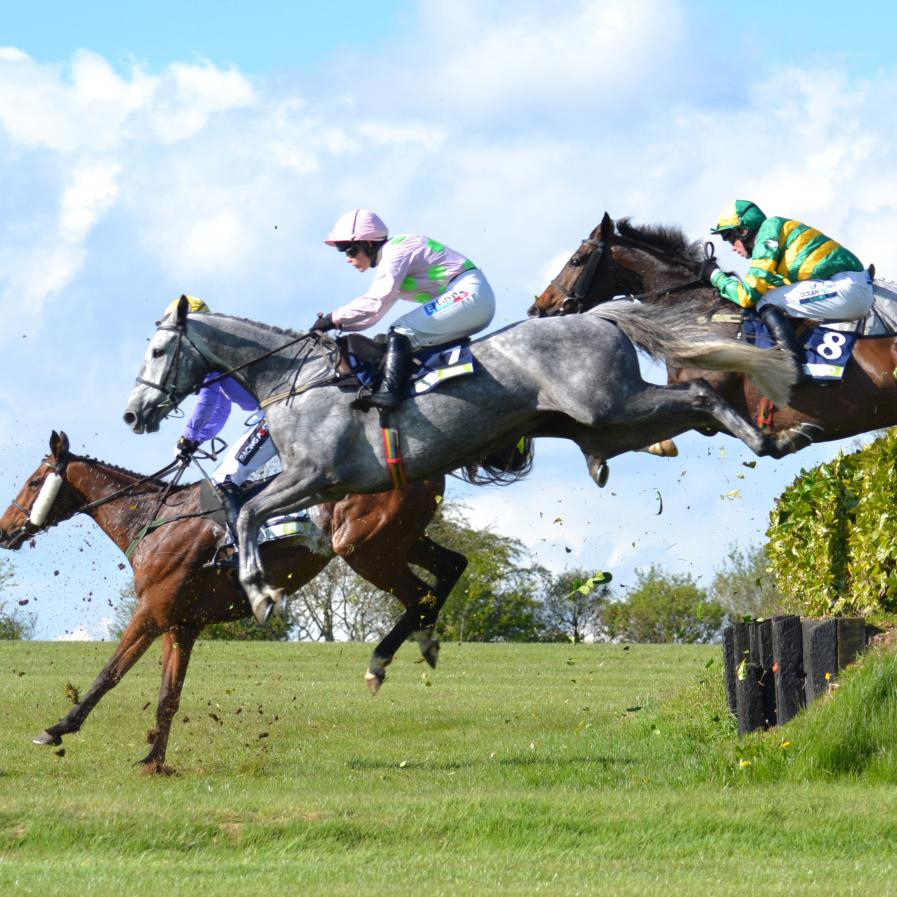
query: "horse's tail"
502, 467
681, 336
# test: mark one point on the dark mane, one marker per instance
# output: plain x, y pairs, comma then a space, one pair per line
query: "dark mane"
667, 239
159, 484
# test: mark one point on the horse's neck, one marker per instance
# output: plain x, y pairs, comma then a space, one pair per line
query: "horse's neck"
230, 343
122, 517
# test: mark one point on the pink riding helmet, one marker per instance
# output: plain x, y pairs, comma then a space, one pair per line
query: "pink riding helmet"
359, 224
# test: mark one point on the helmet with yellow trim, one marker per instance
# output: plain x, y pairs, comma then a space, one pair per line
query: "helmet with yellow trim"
738, 218
194, 306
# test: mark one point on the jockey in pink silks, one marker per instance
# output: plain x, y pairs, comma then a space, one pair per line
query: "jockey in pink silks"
454, 298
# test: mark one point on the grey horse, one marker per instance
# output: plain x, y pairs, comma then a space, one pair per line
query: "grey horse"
576, 378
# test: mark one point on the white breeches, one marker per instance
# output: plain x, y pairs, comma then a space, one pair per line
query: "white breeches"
845, 297
464, 308
246, 455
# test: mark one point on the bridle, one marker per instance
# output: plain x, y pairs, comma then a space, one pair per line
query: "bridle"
58, 468
584, 281
586, 276
171, 401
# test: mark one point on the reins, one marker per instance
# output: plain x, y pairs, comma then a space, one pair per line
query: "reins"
181, 331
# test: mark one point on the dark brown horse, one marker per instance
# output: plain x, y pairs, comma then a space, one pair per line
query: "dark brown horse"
378, 535
659, 265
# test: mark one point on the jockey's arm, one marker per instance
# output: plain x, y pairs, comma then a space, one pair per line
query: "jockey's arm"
366, 310
761, 276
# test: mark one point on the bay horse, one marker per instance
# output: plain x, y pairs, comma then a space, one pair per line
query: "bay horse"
578, 380
378, 536
659, 266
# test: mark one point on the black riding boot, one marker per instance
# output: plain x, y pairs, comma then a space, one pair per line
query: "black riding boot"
231, 496
396, 368
781, 331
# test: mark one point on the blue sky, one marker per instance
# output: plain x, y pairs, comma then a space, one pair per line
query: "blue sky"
147, 151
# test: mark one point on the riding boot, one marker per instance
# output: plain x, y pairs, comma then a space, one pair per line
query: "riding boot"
781, 331
396, 367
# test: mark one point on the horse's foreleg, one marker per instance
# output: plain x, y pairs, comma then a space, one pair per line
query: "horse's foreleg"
177, 647
139, 635
281, 495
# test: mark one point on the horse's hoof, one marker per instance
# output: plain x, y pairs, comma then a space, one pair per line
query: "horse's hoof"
154, 767
664, 449
280, 603
374, 681
47, 738
431, 654
263, 609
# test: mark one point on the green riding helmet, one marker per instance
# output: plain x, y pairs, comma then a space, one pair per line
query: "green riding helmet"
741, 213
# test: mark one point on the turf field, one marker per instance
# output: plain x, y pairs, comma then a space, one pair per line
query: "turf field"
511, 769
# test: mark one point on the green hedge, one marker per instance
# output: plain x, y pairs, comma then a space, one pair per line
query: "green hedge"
833, 535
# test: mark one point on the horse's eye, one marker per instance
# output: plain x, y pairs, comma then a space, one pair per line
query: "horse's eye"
158, 353
34, 484
575, 262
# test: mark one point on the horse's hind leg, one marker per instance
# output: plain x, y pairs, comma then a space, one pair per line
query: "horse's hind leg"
177, 645
447, 566
139, 635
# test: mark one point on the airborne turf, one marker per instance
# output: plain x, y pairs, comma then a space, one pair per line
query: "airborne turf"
511, 769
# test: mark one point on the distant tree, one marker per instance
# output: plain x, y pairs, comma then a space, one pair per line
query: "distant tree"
572, 605
338, 604
663, 607
744, 585
497, 597
14, 624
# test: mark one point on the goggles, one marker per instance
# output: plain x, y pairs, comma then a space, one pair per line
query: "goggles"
349, 248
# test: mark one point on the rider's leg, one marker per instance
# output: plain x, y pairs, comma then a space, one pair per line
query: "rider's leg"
396, 368
466, 307
781, 331
243, 458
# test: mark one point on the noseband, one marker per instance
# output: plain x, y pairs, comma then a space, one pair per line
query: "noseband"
587, 275
58, 469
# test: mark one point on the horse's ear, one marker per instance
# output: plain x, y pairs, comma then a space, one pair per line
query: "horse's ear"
59, 444
183, 308
606, 228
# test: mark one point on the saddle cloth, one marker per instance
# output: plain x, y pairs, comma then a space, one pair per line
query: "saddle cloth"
283, 526
828, 345
429, 367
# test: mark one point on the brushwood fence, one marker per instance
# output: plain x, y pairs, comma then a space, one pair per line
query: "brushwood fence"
776, 667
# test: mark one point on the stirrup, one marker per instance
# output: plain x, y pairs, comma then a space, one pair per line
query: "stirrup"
221, 562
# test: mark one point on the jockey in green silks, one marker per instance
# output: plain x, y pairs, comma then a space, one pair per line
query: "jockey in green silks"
795, 270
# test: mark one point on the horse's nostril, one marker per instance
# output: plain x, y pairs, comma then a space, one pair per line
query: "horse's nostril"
130, 418
534, 311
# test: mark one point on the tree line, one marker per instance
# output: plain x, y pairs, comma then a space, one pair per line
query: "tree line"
504, 595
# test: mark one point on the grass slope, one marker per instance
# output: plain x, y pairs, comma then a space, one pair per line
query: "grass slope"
512, 769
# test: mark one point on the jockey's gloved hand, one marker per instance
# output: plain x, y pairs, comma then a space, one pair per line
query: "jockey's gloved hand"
323, 322
708, 266
186, 447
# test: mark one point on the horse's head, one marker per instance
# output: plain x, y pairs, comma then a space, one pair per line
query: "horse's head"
589, 277
43, 501
173, 367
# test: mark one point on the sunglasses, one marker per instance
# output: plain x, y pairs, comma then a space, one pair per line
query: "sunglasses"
350, 249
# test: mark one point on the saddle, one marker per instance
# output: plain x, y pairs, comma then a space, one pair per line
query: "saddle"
361, 362
283, 526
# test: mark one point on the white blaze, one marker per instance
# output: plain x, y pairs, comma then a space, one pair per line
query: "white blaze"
48, 492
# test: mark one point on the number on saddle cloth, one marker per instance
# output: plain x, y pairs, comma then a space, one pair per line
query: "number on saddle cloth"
827, 348
430, 367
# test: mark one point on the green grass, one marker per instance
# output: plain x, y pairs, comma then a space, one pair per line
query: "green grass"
511, 769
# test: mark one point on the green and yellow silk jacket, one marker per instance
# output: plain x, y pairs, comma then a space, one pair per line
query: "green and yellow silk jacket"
785, 251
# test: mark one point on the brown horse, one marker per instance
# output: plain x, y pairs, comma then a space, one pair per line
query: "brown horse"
659, 265
378, 535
